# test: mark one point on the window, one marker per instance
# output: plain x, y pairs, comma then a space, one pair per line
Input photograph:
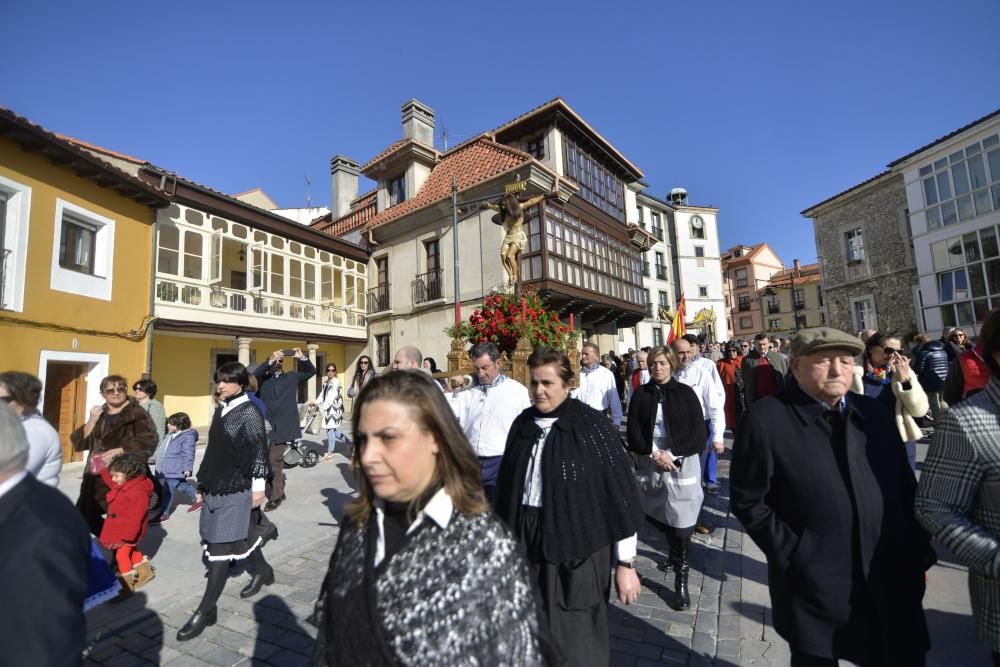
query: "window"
82, 253
15, 202
192, 255
661, 268
596, 184
536, 147
382, 349
657, 336
855, 245
638, 216
397, 189
77, 245
741, 277
649, 303
699, 253
744, 302
663, 303
958, 187
864, 313
773, 304
746, 322
703, 291
798, 298
774, 323
968, 276
378, 296
432, 250
168, 242
656, 224
428, 285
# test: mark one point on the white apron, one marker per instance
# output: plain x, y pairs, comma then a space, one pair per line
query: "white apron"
673, 498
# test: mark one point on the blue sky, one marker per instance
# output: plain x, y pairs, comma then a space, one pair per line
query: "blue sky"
759, 108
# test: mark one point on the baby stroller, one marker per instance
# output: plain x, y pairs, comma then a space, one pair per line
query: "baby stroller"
305, 453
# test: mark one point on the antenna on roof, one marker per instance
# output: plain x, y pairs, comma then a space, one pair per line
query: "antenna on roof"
308, 193
444, 136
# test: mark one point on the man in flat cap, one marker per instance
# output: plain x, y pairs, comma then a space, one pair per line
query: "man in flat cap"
821, 483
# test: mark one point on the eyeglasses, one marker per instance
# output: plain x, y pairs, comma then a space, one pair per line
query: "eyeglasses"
116, 390
364, 363
890, 350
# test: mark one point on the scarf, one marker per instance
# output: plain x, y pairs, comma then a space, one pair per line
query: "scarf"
879, 375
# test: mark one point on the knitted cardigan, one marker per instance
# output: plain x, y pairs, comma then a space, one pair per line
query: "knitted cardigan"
458, 595
237, 450
682, 416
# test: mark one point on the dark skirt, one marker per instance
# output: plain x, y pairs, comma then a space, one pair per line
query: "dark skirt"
574, 596
227, 526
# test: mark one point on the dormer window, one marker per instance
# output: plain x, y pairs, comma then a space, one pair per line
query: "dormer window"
536, 147
397, 189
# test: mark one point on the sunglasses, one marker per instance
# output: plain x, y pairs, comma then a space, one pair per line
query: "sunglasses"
331, 370
116, 390
890, 350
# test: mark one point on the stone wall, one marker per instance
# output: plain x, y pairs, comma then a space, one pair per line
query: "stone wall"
888, 272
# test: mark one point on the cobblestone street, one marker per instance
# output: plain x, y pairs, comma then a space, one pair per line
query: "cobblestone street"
728, 624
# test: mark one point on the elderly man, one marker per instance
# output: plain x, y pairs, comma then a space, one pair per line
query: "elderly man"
701, 375
279, 391
407, 358
763, 370
640, 375
486, 409
821, 483
44, 560
597, 384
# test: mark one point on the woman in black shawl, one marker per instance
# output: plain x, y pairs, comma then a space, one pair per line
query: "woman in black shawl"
567, 489
666, 432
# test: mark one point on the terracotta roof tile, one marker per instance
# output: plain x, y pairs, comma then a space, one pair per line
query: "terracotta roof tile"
395, 147
473, 162
808, 274
363, 211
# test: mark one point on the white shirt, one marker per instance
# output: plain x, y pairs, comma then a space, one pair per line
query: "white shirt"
599, 390
702, 376
438, 509
486, 413
44, 449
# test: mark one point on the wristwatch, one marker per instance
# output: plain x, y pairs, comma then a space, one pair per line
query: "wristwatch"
630, 564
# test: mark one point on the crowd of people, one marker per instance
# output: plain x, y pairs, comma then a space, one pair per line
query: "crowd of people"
536, 494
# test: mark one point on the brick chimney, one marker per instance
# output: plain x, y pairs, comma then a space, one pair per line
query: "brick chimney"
418, 122
798, 268
344, 176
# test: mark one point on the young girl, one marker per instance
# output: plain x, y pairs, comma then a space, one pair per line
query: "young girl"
174, 463
129, 492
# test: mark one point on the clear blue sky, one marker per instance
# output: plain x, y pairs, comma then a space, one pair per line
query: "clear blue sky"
759, 108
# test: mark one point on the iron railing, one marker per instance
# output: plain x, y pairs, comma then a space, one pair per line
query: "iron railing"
378, 298
427, 286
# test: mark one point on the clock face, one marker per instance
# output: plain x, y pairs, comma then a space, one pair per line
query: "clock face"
697, 222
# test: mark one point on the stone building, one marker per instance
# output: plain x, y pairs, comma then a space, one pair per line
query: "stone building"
866, 256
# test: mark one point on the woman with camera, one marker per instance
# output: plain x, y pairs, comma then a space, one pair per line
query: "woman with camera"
666, 432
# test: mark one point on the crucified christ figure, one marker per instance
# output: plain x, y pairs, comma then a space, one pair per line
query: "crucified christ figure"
510, 215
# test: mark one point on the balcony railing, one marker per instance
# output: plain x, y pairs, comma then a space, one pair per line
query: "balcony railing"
744, 307
798, 305
773, 308
645, 268
378, 298
856, 269
658, 232
4, 253
222, 299
661, 272
427, 286
649, 309
741, 282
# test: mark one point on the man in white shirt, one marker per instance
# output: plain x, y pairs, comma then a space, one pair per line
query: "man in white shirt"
597, 384
701, 375
486, 409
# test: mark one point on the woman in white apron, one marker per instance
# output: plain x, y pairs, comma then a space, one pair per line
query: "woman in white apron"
666, 431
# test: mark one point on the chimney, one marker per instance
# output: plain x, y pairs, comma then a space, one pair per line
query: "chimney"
418, 122
798, 268
344, 173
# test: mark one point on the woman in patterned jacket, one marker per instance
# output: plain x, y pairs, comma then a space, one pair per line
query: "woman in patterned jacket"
230, 489
423, 573
959, 489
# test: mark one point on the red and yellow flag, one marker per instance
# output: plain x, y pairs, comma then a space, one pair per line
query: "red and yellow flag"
677, 328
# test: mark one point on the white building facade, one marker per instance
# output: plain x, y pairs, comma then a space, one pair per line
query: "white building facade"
697, 266
953, 195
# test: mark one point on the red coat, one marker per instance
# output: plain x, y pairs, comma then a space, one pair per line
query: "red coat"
127, 508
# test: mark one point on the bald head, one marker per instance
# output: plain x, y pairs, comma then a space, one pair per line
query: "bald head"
407, 357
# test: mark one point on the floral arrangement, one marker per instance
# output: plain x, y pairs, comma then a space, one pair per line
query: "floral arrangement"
503, 318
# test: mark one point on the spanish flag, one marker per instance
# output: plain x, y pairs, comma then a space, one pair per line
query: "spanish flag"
677, 328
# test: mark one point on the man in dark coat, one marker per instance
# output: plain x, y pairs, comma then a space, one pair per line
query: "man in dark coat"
821, 483
279, 391
44, 559
763, 369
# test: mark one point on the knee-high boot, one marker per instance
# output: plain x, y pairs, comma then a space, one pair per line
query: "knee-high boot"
681, 568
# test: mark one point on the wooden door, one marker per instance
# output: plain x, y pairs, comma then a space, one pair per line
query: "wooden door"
66, 402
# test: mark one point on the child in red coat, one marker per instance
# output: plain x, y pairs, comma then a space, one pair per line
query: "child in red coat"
129, 492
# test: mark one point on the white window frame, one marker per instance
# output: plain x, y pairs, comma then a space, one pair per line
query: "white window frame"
858, 299
98, 285
18, 211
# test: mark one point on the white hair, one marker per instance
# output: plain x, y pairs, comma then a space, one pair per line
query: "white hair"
13, 441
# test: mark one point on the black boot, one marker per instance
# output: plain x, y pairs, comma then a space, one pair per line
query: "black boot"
681, 568
197, 623
258, 582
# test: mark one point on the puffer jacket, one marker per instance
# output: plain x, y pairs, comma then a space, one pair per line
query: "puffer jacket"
930, 362
175, 455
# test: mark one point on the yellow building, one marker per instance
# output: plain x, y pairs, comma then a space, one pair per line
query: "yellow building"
76, 269
793, 300
235, 282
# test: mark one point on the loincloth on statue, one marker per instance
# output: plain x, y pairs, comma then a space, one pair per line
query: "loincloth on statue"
518, 238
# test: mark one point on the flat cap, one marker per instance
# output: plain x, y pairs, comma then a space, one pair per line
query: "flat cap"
824, 338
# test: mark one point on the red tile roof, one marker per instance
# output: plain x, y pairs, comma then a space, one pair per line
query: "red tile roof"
473, 162
808, 273
363, 209
395, 147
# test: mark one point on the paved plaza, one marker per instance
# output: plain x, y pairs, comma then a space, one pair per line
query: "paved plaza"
729, 622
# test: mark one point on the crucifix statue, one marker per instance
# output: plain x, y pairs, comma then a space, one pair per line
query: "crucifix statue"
510, 215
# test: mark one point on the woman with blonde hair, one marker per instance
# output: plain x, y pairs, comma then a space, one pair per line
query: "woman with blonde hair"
423, 572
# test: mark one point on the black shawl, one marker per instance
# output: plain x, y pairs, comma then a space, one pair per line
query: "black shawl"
237, 450
682, 417
589, 494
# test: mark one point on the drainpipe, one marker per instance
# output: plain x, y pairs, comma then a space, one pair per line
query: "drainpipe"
152, 298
